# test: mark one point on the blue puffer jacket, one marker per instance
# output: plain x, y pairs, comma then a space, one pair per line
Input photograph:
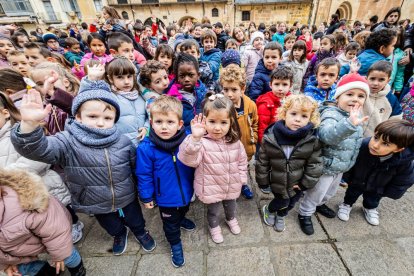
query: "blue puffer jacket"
260, 82
162, 176
213, 58
395, 104
318, 94
366, 58
279, 38
341, 140
390, 178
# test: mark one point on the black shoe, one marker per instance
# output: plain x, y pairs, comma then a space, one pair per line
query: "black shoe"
306, 224
47, 270
79, 270
325, 211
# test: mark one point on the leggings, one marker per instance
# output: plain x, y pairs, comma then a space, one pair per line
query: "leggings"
213, 211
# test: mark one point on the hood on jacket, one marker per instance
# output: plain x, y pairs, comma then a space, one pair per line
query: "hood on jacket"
209, 52
260, 68
33, 195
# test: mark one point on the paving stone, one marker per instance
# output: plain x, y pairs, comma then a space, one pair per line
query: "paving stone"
110, 266
160, 264
239, 262
307, 259
407, 244
250, 224
375, 257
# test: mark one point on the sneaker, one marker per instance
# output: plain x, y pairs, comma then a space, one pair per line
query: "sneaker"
188, 225
306, 224
268, 218
266, 190
343, 211
234, 226
147, 242
246, 192
372, 216
325, 211
216, 234
79, 270
177, 255
77, 233
279, 224
120, 244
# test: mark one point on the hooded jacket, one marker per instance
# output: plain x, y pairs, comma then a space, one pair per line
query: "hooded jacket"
213, 58
221, 40
299, 70
313, 64
390, 178
318, 94
31, 221
397, 74
366, 58
250, 58
248, 123
261, 80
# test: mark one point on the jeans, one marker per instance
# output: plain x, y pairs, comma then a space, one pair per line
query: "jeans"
34, 267
213, 211
171, 219
283, 205
131, 215
370, 199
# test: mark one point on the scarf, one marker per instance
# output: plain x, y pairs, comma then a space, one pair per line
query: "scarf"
130, 95
93, 137
169, 144
149, 94
286, 137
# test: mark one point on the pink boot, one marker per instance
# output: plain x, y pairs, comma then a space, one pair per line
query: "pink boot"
216, 235
234, 226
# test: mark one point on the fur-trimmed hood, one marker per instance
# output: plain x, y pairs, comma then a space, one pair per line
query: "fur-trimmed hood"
32, 192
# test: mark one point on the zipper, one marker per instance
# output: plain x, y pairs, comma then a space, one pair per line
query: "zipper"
111, 183
159, 186
178, 177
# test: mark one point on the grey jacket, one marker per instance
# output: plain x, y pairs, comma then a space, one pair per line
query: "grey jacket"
341, 140
99, 178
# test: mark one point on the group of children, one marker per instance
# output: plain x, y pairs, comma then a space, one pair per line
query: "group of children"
190, 122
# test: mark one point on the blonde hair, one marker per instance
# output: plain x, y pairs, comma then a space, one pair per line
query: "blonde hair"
164, 104
305, 103
233, 74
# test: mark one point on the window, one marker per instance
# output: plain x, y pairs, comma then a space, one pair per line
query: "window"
98, 5
16, 7
245, 15
125, 15
214, 12
122, 1
149, 1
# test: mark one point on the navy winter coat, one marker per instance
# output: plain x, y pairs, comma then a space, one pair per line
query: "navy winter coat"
391, 178
260, 82
162, 177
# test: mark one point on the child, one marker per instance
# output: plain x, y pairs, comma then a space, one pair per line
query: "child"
230, 57
379, 107
73, 51
322, 87
384, 168
33, 223
351, 50
36, 54
154, 79
133, 121
164, 179
341, 41
290, 40
120, 44
220, 161
165, 55
98, 161
378, 46
290, 159
253, 54
233, 83
187, 87
13, 85
19, 39
269, 103
210, 54
298, 63
279, 36
96, 44
195, 32
231, 44
341, 134
6, 46
326, 50
397, 76
52, 43
272, 55
19, 62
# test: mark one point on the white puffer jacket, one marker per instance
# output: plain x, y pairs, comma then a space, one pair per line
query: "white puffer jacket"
10, 159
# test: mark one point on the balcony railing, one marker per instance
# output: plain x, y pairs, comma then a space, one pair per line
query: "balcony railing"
50, 18
17, 7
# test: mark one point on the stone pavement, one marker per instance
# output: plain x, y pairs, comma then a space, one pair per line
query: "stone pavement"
336, 248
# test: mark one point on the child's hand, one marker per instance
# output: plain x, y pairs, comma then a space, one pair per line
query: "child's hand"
49, 84
354, 65
198, 127
296, 187
76, 66
12, 270
355, 115
60, 266
32, 111
142, 131
149, 205
96, 72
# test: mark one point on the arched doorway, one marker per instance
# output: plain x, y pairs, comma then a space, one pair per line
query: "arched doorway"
344, 11
148, 22
185, 18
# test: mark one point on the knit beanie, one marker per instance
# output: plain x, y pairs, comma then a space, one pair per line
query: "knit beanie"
48, 36
351, 81
230, 56
95, 90
255, 35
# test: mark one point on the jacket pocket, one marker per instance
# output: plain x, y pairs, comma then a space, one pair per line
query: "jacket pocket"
159, 186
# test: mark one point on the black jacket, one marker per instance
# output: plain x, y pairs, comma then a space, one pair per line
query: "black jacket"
391, 178
221, 41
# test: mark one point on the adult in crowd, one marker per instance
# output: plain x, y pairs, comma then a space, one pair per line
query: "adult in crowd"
390, 20
334, 24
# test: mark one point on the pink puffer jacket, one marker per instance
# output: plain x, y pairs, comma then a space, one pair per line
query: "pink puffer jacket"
31, 221
221, 168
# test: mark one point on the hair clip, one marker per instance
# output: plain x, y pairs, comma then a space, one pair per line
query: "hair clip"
215, 96
29, 83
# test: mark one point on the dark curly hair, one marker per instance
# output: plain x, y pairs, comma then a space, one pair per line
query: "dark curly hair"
184, 58
151, 67
380, 38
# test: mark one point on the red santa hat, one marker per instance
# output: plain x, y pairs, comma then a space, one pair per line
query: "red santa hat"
351, 81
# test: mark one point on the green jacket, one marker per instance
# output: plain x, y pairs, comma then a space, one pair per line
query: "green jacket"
71, 57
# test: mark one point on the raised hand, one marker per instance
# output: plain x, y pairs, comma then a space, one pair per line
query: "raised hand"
32, 111
142, 131
76, 66
354, 65
12, 270
355, 115
96, 72
49, 84
198, 127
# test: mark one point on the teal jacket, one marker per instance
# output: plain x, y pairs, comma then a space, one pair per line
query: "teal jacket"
71, 57
397, 75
